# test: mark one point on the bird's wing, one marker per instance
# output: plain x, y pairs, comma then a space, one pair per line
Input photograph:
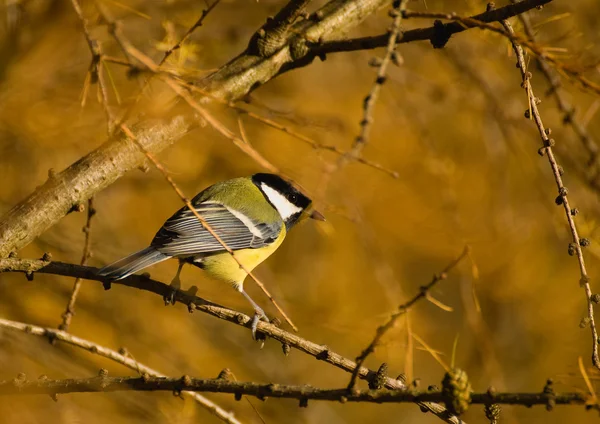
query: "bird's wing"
183, 234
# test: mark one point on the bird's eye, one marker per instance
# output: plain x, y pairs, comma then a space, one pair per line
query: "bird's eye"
293, 197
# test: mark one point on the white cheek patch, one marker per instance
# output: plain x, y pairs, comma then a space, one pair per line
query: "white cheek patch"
283, 205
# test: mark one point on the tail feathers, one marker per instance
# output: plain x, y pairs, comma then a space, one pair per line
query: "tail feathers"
133, 263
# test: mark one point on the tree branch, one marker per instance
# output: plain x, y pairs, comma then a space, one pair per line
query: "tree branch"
103, 383
67, 190
577, 244
120, 357
438, 34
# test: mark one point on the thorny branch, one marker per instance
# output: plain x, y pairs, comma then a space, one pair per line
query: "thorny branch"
103, 383
402, 309
575, 248
67, 316
193, 302
121, 357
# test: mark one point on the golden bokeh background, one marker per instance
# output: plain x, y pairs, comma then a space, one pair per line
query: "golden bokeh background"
450, 122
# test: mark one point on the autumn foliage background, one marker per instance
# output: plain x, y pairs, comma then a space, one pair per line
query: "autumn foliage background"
451, 124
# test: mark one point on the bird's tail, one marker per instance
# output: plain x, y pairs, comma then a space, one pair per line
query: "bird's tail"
133, 263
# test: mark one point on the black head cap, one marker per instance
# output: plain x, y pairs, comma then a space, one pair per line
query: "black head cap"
296, 201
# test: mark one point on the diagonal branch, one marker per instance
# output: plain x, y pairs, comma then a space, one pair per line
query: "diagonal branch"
575, 248
567, 109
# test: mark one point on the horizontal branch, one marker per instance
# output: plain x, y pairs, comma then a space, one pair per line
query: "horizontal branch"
438, 34
288, 340
103, 383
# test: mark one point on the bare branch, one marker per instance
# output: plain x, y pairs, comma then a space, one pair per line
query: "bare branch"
67, 316
63, 192
575, 248
567, 109
103, 383
371, 98
189, 32
121, 358
438, 34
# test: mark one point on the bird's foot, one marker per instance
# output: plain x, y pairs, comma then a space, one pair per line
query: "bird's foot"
258, 315
175, 285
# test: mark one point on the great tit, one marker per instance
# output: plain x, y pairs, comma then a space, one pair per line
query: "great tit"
251, 215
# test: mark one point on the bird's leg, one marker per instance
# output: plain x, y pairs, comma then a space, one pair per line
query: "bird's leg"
175, 285
258, 313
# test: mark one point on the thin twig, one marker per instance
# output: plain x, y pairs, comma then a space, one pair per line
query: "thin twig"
371, 98
189, 32
120, 358
575, 248
205, 224
193, 302
313, 143
67, 316
571, 71
222, 129
568, 111
402, 309
95, 71
103, 383
130, 51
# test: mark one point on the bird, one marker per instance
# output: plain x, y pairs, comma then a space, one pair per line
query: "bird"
251, 215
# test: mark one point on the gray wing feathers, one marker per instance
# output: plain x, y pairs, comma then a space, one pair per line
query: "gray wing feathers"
183, 234
133, 263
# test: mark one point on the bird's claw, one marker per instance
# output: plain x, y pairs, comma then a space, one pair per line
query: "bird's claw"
170, 297
258, 315
174, 286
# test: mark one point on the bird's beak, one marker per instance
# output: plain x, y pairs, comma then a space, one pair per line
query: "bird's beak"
315, 214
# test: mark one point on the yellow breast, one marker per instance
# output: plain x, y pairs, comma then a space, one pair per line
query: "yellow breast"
223, 267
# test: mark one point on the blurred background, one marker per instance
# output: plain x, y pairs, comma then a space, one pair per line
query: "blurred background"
449, 122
